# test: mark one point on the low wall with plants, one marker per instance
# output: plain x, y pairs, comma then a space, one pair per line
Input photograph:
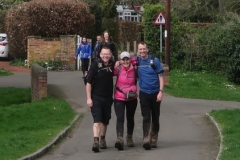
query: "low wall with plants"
52, 53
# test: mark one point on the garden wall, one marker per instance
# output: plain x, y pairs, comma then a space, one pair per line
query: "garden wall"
41, 49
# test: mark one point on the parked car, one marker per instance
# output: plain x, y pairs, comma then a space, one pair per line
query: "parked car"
3, 45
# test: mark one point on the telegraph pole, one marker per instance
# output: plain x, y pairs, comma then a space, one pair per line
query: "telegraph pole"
167, 32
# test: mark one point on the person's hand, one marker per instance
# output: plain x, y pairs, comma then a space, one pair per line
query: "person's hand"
89, 102
117, 64
159, 96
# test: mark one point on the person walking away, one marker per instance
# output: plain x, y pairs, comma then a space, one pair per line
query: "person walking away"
125, 85
96, 48
150, 74
85, 51
107, 40
99, 90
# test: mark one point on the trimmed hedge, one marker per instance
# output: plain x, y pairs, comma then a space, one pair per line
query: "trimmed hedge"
49, 18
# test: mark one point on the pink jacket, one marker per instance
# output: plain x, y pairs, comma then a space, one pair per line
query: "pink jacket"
126, 81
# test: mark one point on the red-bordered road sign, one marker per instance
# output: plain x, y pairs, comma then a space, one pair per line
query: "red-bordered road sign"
160, 19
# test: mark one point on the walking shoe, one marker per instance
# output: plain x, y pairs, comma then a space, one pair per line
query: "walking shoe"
119, 143
129, 141
146, 144
95, 147
103, 144
154, 139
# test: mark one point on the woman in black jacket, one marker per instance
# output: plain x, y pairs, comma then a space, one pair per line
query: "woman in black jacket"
108, 40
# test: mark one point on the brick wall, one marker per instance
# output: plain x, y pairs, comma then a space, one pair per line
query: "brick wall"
45, 48
38, 82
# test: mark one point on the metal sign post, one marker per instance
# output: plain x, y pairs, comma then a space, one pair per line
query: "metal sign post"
160, 38
160, 20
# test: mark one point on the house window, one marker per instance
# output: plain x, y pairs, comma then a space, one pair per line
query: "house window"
127, 18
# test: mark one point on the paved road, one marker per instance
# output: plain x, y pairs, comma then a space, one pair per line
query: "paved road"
185, 132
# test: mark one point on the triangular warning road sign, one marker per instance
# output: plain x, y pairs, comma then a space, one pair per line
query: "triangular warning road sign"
160, 19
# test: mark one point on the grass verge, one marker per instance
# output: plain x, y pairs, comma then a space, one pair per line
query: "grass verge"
26, 127
201, 85
229, 121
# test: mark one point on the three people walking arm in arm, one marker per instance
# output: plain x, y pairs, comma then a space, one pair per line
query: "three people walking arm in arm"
99, 89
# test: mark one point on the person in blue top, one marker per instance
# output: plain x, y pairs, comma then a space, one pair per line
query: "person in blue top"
150, 76
85, 51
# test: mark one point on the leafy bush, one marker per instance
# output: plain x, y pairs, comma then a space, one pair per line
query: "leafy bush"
178, 34
97, 28
222, 43
49, 18
129, 32
112, 26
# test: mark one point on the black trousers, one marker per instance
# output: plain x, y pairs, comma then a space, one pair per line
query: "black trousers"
150, 109
120, 107
85, 63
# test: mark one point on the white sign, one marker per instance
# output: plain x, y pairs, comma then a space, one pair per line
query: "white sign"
160, 20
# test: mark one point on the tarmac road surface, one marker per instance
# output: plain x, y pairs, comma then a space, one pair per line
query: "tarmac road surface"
185, 132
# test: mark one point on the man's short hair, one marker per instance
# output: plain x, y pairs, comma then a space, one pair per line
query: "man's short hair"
105, 46
143, 43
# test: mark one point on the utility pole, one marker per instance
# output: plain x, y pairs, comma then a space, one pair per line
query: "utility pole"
167, 32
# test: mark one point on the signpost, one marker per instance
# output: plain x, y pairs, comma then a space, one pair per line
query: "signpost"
160, 20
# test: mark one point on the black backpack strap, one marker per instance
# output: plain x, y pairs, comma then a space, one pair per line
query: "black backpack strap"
152, 63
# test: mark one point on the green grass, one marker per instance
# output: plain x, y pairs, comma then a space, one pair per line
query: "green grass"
11, 95
3, 72
229, 121
26, 127
201, 85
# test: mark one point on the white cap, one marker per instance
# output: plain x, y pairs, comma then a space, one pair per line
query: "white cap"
124, 54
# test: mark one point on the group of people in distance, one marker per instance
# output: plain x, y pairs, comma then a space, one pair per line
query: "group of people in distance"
144, 69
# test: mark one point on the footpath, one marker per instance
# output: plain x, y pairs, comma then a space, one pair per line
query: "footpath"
185, 131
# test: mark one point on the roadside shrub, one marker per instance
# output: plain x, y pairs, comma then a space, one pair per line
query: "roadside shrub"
129, 32
222, 43
97, 28
152, 35
112, 26
49, 18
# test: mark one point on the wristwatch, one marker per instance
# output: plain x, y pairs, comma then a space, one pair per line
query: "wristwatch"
160, 90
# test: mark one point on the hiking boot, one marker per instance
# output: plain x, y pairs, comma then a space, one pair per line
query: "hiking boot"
95, 147
119, 143
146, 143
103, 144
129, 141
154, 139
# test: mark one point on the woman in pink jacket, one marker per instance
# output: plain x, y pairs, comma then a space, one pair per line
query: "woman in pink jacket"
125, 97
